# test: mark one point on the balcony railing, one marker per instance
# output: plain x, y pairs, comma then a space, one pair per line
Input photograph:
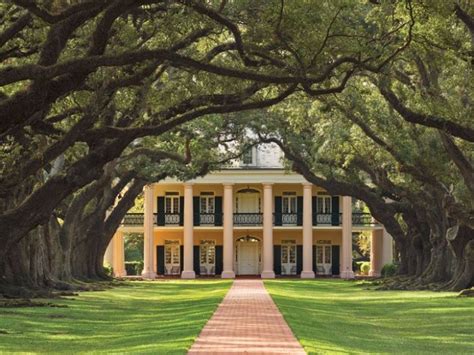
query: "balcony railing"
287, 219
362, 219
323, 218
133, 219
248, 219
172, 218
207, 218
253, 219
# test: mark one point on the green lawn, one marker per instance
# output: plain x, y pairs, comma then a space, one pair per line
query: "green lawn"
145, 317
344, 317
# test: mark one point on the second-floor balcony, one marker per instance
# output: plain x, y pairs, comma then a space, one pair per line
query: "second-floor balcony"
250, 219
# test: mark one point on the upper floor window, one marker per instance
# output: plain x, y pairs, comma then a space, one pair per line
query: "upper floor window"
324, 204
171, 202
289, 202
249, 156
207, 202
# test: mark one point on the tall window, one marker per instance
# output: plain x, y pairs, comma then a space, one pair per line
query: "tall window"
171, 202
248, 157
207, 257
289, 202
172, 257
288, 257
324, 205
207, 202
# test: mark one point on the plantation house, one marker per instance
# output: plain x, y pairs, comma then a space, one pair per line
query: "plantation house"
251, 218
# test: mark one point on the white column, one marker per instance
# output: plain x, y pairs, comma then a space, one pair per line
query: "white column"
387, 254
376, 251
346, 271
307, 272
119, 255
149, 238
109, 254
188, 270
228, 237
268, 272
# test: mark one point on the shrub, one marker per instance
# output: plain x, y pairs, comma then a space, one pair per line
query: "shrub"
134, 267
109, 271
389, 270
364, 268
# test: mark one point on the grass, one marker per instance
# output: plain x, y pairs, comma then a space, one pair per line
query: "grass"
336, 316
145, 317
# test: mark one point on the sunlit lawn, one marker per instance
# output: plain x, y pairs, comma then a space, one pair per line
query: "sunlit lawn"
344, 317
145, 317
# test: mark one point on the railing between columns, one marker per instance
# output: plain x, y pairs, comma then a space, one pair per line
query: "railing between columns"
252, 219
248, 219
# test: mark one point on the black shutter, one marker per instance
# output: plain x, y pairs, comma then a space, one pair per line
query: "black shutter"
161, 211
218, 211
278, 217
181, 258
160, 259
335, 260
299, 210
181, 210
219, 259
196, 260
315, 266
196, 210
314, 206
277, 259
335, 211
299, 259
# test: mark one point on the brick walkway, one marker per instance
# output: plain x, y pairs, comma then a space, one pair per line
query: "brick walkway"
247, 321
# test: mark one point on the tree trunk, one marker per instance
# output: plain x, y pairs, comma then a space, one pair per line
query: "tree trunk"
461, 242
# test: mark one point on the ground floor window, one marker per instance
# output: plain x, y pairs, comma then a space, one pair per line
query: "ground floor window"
172, 257
207, 257
323, 259
288, 257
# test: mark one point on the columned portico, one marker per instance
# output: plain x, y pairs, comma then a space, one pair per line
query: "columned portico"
188, 271
347, 272
119, 259
268, 272
307, 272
148, 244
228, 233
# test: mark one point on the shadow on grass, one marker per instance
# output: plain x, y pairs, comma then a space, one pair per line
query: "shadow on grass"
340, 316
145, 317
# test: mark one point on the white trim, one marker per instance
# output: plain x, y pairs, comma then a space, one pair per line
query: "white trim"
244, 176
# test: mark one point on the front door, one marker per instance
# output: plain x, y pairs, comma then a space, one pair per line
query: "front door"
288, 257
248, 203
207, 251
247, 258
172, 257
323, 260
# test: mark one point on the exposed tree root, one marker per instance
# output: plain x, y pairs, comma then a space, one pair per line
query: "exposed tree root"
54, 290
10, 303
469, 292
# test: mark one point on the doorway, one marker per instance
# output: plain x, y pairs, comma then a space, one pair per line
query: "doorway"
288, 257
323, 260
207, 257
172, 257
248, 256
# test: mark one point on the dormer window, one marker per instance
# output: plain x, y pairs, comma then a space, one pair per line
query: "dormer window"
249, 156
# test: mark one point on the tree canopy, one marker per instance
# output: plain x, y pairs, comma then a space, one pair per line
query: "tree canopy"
98, 96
